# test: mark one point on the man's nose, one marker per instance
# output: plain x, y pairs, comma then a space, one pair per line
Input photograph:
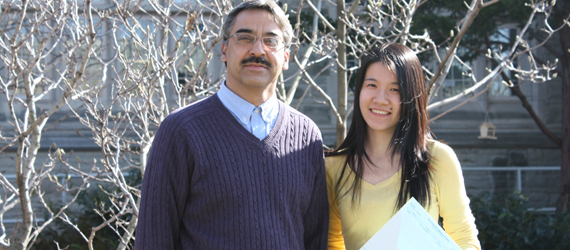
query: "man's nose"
257, 49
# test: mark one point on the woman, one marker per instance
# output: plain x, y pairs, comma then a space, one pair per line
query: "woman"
389, 156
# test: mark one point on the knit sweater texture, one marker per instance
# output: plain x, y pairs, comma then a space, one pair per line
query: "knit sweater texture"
210, 184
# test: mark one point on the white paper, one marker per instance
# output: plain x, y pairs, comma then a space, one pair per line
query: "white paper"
411, 228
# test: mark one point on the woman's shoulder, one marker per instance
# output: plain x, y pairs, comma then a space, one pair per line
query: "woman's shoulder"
335, 163
335, 160
439, 149
443, 158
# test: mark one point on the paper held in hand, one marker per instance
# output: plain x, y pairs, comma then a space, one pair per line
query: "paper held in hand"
411, 228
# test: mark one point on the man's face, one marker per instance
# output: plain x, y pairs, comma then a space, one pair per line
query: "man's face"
254, 68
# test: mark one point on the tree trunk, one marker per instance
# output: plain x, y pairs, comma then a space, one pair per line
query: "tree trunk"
341, 71
516, 91
562, 204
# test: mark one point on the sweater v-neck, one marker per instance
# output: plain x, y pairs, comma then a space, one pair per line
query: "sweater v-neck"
394, 177
268, 141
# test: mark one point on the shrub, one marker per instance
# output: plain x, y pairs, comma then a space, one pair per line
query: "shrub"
505, 222
85, 218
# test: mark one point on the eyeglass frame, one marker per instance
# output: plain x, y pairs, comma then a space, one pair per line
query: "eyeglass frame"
279, 39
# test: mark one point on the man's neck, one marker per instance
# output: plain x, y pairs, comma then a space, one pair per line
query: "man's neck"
255, 96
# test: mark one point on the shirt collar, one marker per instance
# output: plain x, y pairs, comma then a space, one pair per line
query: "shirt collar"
243, 109
270, 109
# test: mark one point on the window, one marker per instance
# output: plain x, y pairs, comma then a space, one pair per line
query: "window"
26, 54
183, 1
456, 81
77, 48
190, 56
500, 44
134, 55
320, 114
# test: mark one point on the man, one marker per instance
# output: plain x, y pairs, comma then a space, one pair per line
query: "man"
240, 169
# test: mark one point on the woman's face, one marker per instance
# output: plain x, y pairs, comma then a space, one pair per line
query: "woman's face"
380, 99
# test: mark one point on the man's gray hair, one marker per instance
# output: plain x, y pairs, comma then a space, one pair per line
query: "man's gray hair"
267, 5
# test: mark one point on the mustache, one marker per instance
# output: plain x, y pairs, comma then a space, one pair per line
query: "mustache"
259, 60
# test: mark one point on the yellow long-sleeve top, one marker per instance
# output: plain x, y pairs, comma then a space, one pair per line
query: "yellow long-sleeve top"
354, 225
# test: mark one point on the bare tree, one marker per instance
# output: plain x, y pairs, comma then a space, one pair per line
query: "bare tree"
43, 50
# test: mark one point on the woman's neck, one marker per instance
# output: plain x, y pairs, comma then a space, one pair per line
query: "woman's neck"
383, 164
378, 144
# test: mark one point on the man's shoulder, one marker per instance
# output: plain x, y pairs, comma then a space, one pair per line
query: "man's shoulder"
197, 108
304, 125
295, 113
191, 112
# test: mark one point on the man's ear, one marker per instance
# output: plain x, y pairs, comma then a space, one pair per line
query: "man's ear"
286, 62
223, 58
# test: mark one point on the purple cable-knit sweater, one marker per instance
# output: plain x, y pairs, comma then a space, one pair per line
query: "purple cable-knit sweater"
210, 184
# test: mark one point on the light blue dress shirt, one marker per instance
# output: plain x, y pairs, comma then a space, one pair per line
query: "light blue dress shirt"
257, 120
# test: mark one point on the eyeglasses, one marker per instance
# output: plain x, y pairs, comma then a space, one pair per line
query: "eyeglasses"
245, 38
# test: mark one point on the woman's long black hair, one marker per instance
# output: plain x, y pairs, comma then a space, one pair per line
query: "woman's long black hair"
409, 141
